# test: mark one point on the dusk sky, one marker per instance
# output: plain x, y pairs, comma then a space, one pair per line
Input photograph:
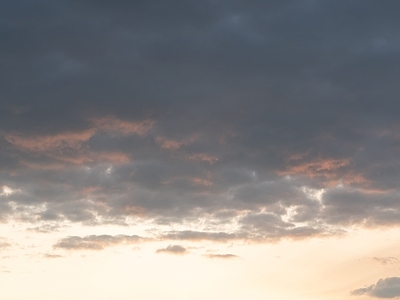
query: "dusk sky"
199, 149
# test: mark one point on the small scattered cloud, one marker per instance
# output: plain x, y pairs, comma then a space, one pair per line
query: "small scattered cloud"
95, 242
4, 243
45, 228
7, 191
197, 181
49, 255
222, 256
384, 288
171, 144
386, 260
173, 249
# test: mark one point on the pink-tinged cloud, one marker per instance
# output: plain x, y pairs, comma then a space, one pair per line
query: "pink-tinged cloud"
72, 140
42, 166
331, 169
112, 124
317, 167
352, 178
327, 168
133, 210
194, 181
78, 158
75, 140
297, 156
203, 157
200, 181
91, 157
170, 144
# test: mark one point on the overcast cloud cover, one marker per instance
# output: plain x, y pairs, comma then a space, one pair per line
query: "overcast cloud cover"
235, 120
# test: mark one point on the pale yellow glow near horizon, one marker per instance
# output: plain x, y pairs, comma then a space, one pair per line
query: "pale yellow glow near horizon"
322, 269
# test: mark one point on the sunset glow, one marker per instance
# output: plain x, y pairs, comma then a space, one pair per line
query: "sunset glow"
199, 150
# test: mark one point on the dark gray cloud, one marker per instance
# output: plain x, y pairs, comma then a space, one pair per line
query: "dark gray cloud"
278, 116
173, 249
384, 288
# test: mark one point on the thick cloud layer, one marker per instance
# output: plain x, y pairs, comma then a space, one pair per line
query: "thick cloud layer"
264, 119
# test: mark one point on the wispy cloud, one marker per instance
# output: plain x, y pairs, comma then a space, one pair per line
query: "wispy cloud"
95, 242
386, 260
222, 256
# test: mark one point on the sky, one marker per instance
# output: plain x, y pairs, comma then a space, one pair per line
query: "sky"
199, 149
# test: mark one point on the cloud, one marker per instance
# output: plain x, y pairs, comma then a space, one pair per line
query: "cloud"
170, 144
95, 242
115, 125
384, 288
222, 256
203, 157
4, 243
73, 140
45, 228
320, 167
49, 255
386, 260
189, 235
201, 110
173, 249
